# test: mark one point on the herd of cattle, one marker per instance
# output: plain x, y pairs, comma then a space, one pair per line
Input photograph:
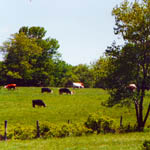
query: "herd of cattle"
39, 102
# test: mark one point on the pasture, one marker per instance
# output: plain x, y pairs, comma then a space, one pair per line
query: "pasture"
16, 108
130, 141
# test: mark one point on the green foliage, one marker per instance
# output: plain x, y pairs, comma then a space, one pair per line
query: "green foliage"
99, 123
126, 128
33, 60
19, 51
63, 73
33, 32
84, 74
146, 145
99, 69
130, 63
29, 59
23, 133
48, 130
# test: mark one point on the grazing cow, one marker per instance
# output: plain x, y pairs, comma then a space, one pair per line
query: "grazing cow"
132, 87
46, 90
10, 86
77, 85
64, 90
38, 102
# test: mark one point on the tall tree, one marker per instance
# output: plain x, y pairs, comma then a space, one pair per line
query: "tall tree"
29, 58
18, 51
44, 67
131, 64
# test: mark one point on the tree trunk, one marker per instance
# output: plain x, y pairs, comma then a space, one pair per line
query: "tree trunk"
140, 122
138, 116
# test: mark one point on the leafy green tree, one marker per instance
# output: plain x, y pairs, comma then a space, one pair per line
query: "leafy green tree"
33, 32
3, 78
29, 58
100, 72
84, 74
63, 74
43, 69
131, 64
18, 53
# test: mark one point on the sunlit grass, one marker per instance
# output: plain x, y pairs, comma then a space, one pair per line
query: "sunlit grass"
16, 108
130, 141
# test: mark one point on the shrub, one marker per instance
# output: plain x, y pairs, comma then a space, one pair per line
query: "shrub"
23, 133
146, 145
127, 128
99, 123
62, 130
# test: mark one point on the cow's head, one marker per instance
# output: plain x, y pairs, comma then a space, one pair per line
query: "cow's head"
5, 86
132, 87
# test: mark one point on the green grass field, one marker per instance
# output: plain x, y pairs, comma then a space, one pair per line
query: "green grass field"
16, 108
130, 141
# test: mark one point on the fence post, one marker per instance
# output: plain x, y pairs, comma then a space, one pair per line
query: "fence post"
38, 129
5, 134
121, 121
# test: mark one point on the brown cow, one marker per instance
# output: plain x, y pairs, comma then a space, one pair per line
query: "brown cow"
10, 86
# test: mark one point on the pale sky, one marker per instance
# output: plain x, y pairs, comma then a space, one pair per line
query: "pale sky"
84, 28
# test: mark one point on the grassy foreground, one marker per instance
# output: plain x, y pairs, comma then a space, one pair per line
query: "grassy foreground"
16, 108
130, 141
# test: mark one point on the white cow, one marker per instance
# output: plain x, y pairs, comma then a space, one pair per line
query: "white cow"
78, 85
132, 87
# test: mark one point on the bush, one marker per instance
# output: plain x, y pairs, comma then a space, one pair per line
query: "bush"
146, 145
127, 128
48, 130
23, 133
99, 123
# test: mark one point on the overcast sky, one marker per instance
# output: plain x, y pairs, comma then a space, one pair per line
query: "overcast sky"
84, 28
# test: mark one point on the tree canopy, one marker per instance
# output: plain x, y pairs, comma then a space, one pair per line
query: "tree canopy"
130, 63
29, 58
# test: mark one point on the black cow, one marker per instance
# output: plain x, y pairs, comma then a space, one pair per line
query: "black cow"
38, 102
64, 90
46, 90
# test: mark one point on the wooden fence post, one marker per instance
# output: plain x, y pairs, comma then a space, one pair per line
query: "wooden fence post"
5, 134
38, 129
121, 121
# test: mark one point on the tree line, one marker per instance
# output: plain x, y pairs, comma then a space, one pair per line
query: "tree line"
30, 59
